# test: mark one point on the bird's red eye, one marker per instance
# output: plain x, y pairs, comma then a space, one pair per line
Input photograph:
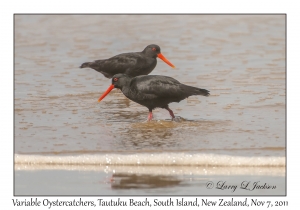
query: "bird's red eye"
153, 49
115, 79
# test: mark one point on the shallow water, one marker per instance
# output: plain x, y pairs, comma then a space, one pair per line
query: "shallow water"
239, 58
136, 180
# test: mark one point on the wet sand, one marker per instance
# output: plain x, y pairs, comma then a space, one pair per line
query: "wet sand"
240, 59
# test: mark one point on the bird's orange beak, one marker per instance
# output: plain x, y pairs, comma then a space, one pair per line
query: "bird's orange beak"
106, 92
165, 60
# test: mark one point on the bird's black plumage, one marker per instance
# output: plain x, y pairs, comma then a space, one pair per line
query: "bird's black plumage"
154, 91
132, 64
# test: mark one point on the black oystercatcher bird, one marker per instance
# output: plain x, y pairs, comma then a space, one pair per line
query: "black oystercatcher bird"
153, 91
132, 64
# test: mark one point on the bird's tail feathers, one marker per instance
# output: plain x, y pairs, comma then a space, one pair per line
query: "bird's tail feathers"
196, 91
86, 64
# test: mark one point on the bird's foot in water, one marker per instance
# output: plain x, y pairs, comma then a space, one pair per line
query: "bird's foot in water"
177, 119
150, 117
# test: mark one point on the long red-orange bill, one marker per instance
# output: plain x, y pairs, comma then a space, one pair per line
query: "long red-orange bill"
165, 60
106, 92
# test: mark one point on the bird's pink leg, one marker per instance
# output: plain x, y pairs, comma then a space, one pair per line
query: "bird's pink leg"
150, 116
171, 113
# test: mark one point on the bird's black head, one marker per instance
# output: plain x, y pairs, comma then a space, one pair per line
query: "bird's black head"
152, 50
118, 81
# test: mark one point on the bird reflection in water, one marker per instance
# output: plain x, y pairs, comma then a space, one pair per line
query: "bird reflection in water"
142, 181
142, 137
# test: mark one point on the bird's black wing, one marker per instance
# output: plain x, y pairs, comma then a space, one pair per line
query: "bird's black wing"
156, 87
120, 63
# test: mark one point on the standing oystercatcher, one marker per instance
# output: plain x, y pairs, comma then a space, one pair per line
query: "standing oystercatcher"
132, 64
153, 91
